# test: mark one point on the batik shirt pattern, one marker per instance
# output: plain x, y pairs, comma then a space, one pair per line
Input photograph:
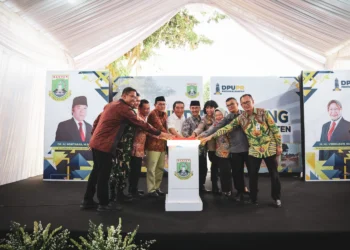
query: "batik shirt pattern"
262, 133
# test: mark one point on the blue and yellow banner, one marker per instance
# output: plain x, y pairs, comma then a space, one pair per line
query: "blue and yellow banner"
327, 125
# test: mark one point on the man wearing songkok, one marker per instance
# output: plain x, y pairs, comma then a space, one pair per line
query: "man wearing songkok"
109, 129
156, 148
188, 127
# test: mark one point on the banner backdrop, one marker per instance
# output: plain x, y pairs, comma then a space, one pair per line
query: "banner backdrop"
74, 99
277, 94
173, 88
327, 125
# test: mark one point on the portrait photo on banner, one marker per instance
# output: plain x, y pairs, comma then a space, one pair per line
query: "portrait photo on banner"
327, 125
73, 101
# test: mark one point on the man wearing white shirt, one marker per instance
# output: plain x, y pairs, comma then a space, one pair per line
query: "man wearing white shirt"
75, 129
176, 119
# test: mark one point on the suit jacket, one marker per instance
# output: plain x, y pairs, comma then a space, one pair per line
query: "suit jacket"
111, 123
340, 134
68, 131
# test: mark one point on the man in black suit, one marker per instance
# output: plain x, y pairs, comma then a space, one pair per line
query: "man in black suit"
336, 130
75, 129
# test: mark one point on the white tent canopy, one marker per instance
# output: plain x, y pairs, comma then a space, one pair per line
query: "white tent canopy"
104, 29
37, 35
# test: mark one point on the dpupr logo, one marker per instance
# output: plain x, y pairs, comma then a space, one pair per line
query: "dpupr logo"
345, 84
228, 89
336, 85
217, 90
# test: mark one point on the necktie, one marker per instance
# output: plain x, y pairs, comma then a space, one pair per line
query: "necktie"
330, 132
82, 136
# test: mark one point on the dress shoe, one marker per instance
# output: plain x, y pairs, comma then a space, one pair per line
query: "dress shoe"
215, 189
160, 193
153, 194
202, 189
253, 202
88, 204
133, 191
124, 198
136, 195
112, 206
239, 197
226, 195
278, 203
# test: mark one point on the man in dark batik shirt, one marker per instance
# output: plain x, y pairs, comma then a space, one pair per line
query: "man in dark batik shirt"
188, 127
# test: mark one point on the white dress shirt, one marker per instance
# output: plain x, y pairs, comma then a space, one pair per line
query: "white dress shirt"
175, 122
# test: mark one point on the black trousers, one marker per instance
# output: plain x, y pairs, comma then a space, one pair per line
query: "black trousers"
253, 172
203, 169
237, 161
134, 175
225, 174
214, 168
99, 177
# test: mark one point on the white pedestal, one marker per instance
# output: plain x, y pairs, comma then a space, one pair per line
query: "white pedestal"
183, 177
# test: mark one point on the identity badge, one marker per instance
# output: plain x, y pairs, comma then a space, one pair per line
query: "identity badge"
257, 126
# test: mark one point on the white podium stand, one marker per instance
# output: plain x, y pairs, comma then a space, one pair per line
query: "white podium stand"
183, 177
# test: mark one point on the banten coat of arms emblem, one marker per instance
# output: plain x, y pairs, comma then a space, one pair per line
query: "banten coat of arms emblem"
183, 169
192, 90
60, 87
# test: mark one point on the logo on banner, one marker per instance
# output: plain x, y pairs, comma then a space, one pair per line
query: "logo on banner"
336, 85
228, 89
192, 90
217, 89
345, 84
60, 87
183, 169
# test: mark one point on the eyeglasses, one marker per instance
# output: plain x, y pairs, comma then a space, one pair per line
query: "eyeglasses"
246, 103
230, 105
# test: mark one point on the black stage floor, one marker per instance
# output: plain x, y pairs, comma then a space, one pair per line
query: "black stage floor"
316, 214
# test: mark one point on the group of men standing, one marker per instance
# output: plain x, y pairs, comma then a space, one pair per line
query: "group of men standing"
127, 130
114, 150
260, 139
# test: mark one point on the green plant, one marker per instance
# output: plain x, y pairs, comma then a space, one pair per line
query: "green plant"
206, 91
178, 33
40, 239
113, 240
